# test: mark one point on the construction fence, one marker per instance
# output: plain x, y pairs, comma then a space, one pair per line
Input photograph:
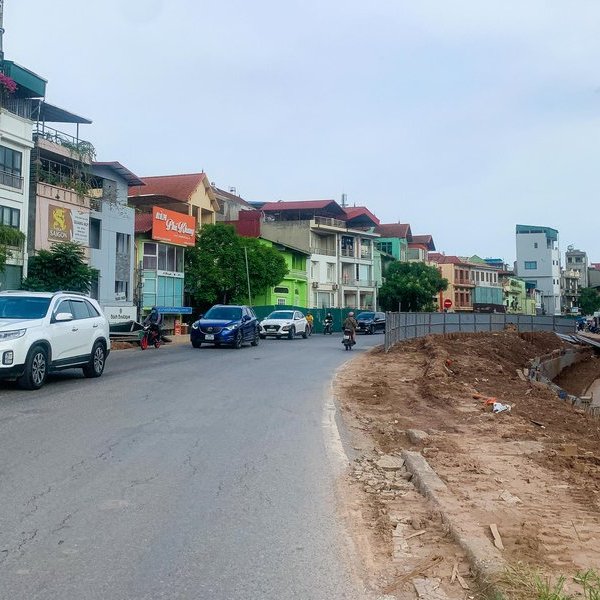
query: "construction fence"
405, 326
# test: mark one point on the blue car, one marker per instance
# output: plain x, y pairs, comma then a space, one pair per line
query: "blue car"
226, 325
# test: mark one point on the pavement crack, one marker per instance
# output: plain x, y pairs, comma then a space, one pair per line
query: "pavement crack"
188, 459
29, 536
63, 523
32, 504
135, 482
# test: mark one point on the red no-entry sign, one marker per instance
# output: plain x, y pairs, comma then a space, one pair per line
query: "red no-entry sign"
447, 303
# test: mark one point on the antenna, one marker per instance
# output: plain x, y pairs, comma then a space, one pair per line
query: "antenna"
1, 29
344, 198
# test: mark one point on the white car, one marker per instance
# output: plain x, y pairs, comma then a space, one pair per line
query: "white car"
42, 332
284, 323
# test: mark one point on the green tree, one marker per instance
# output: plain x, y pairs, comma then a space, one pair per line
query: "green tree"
9, 238
61, 268
589, 301
411, 287
216, 266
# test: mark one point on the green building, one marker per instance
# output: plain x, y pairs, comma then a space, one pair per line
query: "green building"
394, 240
293, 289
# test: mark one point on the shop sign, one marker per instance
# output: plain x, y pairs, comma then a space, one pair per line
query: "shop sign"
173, 227
174, 310
175, 274
120, 314
68, 225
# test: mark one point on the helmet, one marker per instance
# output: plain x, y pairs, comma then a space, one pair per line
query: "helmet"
350, 314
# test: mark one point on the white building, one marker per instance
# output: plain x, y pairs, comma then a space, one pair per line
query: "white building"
577, 260
538, 262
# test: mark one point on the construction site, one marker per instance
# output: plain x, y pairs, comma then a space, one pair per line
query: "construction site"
476, 466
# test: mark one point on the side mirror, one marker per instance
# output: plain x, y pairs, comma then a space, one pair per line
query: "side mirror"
63, 317
245, 318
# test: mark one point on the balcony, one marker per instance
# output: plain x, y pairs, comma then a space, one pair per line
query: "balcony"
322, 251
366, 254
464, 281
63, 144
22, 107
11, 180
362, 283
328, 222
297, 273
347, 252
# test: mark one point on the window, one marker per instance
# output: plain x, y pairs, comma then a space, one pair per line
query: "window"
79, 309
384, 247
531, 264
121, 289
150, 249
298, 262
10, 168
280, 301
535, 244
578, 259
10, 217
281, 290
95, 233
330, 272
122, 243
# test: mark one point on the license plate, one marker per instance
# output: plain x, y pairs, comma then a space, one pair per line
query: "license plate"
209, 337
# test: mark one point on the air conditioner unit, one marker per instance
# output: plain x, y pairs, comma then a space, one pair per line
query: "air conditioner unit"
334, 286
315, 284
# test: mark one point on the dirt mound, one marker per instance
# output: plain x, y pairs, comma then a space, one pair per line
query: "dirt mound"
542, 452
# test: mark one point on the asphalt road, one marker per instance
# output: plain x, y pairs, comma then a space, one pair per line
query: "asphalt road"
180, 473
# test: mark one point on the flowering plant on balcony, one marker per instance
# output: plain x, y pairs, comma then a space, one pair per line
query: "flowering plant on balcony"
8, 83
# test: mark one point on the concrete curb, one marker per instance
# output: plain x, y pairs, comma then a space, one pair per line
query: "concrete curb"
486, 561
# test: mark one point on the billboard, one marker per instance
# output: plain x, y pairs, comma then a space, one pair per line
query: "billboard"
173, 227
68, 225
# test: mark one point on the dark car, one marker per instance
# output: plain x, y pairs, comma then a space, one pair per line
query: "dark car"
370, 322
226, 325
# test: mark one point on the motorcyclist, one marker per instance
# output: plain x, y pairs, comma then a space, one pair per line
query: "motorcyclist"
351, 325
310, 320
328, 321
154, 321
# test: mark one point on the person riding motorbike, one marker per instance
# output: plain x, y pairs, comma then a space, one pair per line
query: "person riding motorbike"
153, 321
351, 325
328, 323
310, 320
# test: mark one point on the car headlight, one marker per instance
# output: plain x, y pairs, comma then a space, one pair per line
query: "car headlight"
12, 335
230, 327
195, 325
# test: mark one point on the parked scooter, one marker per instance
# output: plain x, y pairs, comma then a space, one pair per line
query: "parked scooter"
347, 340
150, 336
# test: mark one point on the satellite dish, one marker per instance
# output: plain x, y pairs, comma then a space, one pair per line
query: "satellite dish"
570, 248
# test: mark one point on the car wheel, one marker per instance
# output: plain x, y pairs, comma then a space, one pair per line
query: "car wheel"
254, 342
36, 369
371, 330
196, 343
291, 333
237, 344
95, 367
304, 334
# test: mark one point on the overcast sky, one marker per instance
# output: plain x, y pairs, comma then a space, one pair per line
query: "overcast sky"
461, 118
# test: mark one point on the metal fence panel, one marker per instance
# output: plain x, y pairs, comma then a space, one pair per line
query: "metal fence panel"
404, 326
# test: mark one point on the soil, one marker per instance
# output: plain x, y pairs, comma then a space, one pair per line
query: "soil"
534, 471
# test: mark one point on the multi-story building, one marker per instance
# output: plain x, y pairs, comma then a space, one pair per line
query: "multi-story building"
538, 262
570, 290
394, 239
461, 285
230, 204
111, 236
487, 294
341, 270
16, 143
577, 260
419, 248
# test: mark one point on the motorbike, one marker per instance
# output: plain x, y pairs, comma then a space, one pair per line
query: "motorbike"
347, 340
150, 336
328, 328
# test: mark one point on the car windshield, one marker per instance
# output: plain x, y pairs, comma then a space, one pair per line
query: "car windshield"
366, 315
23, 307
281, 314
224, 313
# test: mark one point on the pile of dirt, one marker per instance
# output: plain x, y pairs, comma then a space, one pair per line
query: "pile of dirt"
534, 470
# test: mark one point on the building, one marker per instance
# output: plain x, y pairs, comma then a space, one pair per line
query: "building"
16, 143
161, 237
538, 262
420, 247
111, 238
570, 290
341, 247
460, 283
394, 239
577, 260
488, 293
230, 205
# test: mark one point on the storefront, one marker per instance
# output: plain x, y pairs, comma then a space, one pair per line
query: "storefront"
161, 238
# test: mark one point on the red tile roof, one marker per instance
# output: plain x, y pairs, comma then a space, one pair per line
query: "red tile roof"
301, 205
355, 212
178, 187
143, 222
424, 240
442, 259
395, 230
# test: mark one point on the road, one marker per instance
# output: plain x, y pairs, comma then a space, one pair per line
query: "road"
180, 473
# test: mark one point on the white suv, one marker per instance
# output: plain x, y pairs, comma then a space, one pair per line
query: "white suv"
42, 332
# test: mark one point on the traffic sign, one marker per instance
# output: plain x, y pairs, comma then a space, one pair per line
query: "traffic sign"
447, 303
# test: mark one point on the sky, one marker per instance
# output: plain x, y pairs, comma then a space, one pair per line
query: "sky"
461, 118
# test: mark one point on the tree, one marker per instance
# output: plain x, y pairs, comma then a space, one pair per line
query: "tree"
589, 301
411, 287
61, 268
216, 266
10, 237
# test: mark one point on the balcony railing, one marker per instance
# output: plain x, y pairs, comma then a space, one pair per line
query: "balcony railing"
328, 222
350, 281
79, 149
11, 180
347, 252
22, 107
366, 254
323, 251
